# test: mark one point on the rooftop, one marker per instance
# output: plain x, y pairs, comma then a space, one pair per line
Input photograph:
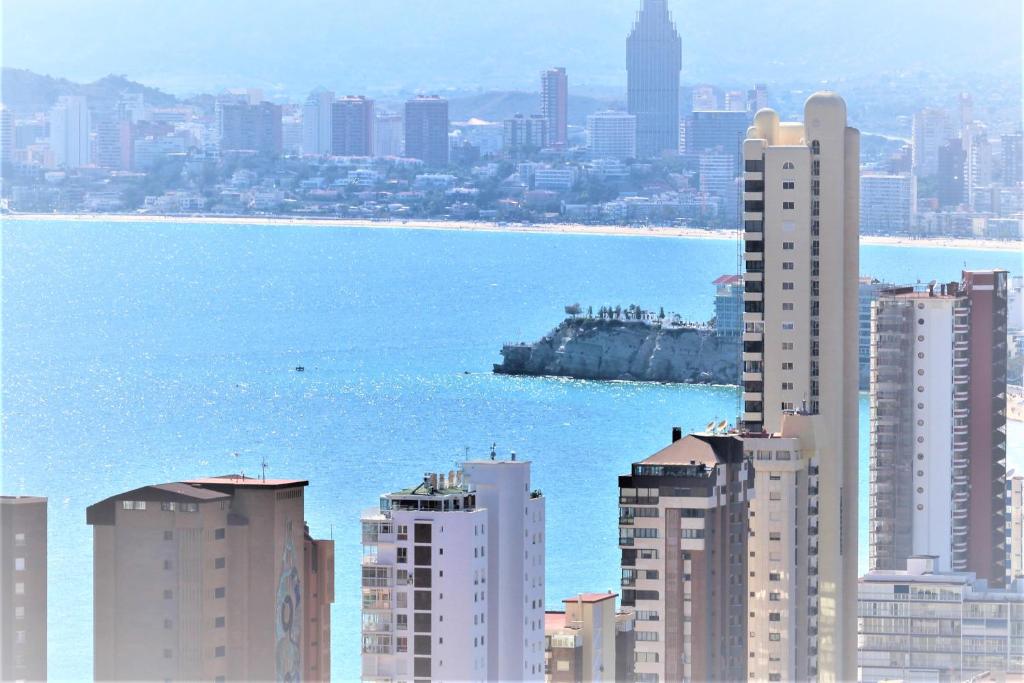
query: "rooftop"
242, 481
592, 597
697, 449
21, 500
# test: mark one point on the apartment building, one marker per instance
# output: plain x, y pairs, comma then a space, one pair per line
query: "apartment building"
22, 588
588, 640
683, 535
352, 120
426, 130
208, 579
800, 214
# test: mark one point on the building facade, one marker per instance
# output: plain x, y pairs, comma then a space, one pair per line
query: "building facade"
931, 130
683, 534
887, 203
524, 136
70, 123
554, 105
352, 120
426, 130
924, 624
23, 588
611, 135
316, 123
581, 643
208, 579
654, 55
387, 135
800, 213
242, 126
1014, 528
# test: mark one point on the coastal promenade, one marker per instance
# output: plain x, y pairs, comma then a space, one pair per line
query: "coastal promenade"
486, 226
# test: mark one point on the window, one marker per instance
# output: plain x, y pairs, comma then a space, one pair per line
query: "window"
167, 565
648, 636
786, 405
774, 637
787, 346
218, 622
168, 594
787, 386
218, 534
787, 265
788, 166
19, 588
787, 286
168, 535
19, 612
787, 306
189, 507
562, 665
219, 563
788, 246
401, 644
787, 327
788, 185
19, 539
402, 622
19, 564
774, 616
133, 505
774, 576
403, 555
403, 532
168, 506
219, 651
775, 596
788, 206
219, 592
774, 535
167, 653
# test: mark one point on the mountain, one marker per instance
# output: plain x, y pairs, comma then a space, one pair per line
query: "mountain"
28, 92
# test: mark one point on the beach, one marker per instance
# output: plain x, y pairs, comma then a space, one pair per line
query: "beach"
488, 226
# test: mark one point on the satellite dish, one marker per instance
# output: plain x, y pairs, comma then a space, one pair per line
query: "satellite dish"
722, 425
710, 427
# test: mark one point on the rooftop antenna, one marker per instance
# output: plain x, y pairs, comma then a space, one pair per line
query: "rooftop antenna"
235, 456
494, 452
467, 452
513, 456
263, 465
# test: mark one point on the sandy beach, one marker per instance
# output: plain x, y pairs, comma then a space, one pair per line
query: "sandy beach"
485, 226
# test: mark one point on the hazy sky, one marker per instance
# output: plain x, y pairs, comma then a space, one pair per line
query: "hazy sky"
376, 46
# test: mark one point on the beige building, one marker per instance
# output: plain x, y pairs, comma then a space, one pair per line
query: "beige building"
683, 533
211, 579
22, 588
1014, 527
800, 211
583, 642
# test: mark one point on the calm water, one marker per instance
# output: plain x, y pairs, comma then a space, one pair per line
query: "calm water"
137, 354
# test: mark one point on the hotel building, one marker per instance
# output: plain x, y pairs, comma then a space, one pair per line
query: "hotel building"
352, 120
426, 130
554, 105
210, 579
924, 624
938, 420
611, 135
22, 588
683, 534
654, 56
800, 211
453, 578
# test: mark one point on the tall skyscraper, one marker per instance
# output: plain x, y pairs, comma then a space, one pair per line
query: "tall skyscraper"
931, 130
757, 99
683, 534
69, 131
426, 130
654, 58
316, 123
717, 131
801, 201
352, 127
210, 579
523, 136
22, 588
611, 135
6, 135
387, 135
949, 174
1012, 152
554, 105
453, 578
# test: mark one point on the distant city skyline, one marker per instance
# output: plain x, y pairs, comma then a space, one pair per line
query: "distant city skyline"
322, 44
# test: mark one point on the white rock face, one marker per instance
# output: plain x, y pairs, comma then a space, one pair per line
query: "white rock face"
602, 349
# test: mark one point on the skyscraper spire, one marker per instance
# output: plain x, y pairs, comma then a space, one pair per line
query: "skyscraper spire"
653, 62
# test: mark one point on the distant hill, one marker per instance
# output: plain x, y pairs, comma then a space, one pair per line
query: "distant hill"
498, 105
25, 91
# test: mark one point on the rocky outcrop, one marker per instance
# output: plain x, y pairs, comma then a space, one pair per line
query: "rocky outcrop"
587, 348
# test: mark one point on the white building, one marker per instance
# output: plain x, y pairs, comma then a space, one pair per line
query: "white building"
931, 130
453, 578
1014, 526
887, 202
316, 123
800, 212
923, 624
611, 135
558, 179
69, 131
387, 134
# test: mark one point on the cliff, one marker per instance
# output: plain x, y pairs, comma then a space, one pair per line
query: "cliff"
587, 348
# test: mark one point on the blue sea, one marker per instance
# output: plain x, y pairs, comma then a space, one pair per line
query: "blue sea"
141, 353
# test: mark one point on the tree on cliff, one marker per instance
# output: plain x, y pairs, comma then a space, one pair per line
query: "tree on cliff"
573, 310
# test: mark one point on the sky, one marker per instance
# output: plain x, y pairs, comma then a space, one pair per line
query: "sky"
382, 46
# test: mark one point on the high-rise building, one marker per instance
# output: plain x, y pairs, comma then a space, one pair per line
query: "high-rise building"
654, 57
523, 136
887, 202
611, 135
22, 588
925, 624
352, 127
316, 123
869, 290
728, 306
736, 100
1014, 528
109, 139
1012, 153
718, 182
6, 135
69, 132
977, 162
387, 135
554, 105
938, 416
950, 161
801, 202
242, 126
757, 99
426, 130
585, 640
683, 534
212, 579
931, 130
704, 98
716, 131
453, 578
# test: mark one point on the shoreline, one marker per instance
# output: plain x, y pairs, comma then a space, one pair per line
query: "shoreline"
980, 244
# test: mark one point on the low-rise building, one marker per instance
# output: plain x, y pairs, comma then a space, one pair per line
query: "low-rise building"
22, 588
582, 642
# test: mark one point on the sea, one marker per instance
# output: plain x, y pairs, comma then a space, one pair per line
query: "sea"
141, 353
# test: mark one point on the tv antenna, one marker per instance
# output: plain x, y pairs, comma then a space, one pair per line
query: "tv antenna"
263, 466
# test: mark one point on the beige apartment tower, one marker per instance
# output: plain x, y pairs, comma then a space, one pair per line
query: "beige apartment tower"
210, 580
800, 353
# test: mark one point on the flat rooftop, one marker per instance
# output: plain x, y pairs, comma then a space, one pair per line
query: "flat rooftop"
243, 481
21, 500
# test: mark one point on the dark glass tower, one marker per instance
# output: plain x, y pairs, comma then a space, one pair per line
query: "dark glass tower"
654, 56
